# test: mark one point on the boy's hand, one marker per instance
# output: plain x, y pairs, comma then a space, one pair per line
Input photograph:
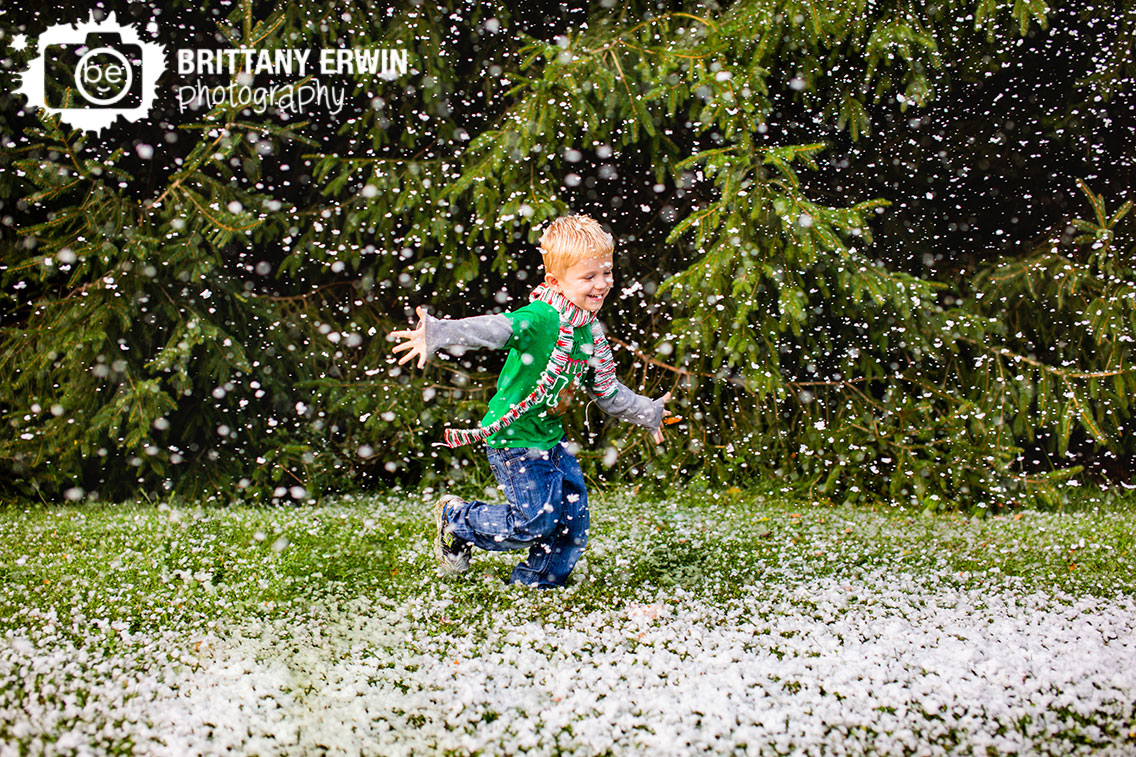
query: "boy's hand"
415, 343
658, 435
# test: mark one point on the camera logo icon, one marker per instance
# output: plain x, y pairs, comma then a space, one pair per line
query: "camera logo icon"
104, 74
92, 73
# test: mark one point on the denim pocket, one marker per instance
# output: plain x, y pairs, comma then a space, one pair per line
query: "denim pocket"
507, 455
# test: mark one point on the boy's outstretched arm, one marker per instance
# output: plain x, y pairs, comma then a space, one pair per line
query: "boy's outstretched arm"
433, 334
635, 408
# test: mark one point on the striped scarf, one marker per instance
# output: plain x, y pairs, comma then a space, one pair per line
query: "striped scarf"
571, 317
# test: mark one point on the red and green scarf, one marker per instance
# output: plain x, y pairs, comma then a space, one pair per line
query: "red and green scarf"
571, 317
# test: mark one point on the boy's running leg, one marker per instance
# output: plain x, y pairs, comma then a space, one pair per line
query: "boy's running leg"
551, 560
531, 516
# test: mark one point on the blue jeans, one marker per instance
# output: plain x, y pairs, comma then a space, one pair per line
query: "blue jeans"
546, 512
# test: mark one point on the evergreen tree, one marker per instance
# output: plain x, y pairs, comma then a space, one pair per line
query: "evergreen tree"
215, 323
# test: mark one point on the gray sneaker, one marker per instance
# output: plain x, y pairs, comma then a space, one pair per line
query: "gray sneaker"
451, 552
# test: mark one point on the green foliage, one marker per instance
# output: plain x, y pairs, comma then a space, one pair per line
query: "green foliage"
1083, 377
131, 366
199, 327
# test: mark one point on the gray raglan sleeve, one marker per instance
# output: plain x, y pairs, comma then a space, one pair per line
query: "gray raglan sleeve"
460, 334
631, 407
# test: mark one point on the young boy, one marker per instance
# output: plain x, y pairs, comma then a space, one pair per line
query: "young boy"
555, 344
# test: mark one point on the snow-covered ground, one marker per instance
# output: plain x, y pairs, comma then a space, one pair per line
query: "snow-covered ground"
707, 623
877, 662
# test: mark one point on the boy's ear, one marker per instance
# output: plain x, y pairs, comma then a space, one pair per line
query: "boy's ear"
550, 281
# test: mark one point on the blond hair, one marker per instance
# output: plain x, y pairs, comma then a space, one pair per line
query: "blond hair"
569, 239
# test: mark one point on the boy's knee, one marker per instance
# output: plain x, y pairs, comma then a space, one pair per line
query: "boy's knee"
539, 525
543, 526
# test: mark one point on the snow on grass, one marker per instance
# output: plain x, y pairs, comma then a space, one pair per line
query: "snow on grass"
887, 663
724, 625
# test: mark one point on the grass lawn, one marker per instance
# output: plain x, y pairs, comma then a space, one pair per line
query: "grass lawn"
730, 622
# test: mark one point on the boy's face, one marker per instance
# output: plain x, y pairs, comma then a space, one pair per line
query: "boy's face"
585, 283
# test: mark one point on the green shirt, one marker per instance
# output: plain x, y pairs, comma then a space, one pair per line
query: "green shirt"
535, 328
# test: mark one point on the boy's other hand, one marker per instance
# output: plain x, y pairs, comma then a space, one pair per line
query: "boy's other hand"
658, 435
415, 344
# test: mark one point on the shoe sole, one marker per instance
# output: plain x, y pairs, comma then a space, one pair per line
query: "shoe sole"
448, 563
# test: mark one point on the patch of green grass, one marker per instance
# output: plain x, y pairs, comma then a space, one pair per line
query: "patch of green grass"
155, 566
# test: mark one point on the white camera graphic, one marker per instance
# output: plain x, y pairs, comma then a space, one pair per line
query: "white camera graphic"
93, 73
